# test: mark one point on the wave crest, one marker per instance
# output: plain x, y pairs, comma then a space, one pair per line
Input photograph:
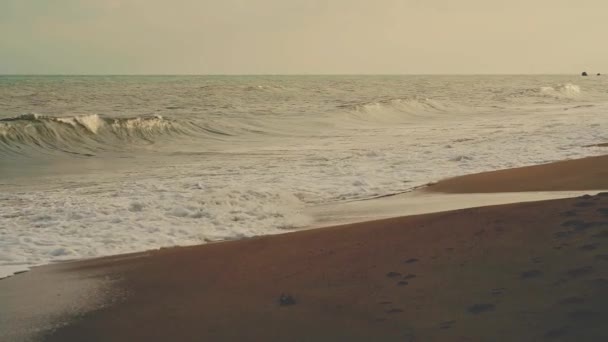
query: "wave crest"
400, 110
567, 90
83, 134
559, 93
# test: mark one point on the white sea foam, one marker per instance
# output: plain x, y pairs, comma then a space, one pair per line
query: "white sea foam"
568, 90
60, 224
91, 122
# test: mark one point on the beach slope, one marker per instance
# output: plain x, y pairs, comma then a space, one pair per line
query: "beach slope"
519, 272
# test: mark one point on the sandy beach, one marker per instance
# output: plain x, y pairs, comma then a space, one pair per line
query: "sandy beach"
580, 174
303, 171
519, 272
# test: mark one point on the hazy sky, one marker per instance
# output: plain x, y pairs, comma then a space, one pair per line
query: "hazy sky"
303, 36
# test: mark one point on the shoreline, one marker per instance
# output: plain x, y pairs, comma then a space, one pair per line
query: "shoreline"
512, 182
453, 275
418, 202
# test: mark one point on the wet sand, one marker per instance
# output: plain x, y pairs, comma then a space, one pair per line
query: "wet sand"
598, 145
519, 272
579, 174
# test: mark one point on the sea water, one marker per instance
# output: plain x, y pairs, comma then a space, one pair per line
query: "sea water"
101, 165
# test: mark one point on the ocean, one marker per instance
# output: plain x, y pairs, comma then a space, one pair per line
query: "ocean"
101, 165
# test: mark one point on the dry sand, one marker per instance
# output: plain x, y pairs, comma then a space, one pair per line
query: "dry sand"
520, 272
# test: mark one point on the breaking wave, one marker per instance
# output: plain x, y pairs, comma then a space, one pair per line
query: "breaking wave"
568, 90
84, 134
402, 110
560, 92
87, 135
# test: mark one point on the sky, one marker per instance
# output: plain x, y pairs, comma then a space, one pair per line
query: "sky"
303, 36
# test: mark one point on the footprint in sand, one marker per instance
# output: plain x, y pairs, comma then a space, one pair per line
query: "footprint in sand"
393, 274
411, 261
446, 325
394, 311
530, 274
584, 204
572, 223
601, 257
409, 276
571, 301
557, 333
578, 225
498, 292
601, 283
402, 283
601, 235
579, 272
481, 308
603, 211
563, 234
583, 315
589, 247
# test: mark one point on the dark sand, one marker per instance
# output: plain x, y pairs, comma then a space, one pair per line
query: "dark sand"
579, 174
520, 272
598, 145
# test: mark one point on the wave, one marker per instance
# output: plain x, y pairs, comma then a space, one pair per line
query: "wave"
84, 134
567, 90
401, 110
560, 92
221, 89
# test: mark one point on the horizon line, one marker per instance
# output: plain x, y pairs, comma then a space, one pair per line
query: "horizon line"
294, 74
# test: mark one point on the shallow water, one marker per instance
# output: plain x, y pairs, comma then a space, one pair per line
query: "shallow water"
93, 166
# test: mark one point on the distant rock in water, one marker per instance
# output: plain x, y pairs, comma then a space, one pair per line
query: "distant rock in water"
584, 73
599, 74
